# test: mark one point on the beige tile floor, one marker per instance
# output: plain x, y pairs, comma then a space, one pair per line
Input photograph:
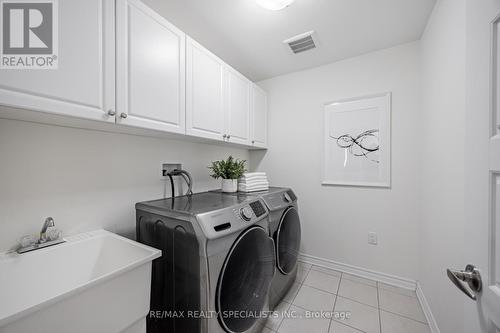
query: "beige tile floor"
320, 296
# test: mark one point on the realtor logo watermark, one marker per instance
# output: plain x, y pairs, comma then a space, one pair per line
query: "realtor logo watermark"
29, 38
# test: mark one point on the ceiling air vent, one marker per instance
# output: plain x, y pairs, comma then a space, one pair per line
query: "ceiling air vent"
302, 42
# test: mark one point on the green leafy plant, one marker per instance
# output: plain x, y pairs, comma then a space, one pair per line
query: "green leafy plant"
229, 169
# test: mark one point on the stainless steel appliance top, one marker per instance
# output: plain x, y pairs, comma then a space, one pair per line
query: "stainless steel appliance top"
217, 214
275, 198
199, 203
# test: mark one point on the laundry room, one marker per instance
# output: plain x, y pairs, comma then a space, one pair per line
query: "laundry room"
248, 166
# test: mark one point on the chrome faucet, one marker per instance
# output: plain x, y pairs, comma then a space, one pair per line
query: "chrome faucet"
49, 222
29, 243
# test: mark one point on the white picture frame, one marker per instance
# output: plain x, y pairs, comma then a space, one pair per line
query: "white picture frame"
357, 142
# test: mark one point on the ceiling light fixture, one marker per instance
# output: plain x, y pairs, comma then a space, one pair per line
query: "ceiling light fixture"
274, 4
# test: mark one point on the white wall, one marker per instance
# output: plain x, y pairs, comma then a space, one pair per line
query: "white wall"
87, 179
336, 220
442, 162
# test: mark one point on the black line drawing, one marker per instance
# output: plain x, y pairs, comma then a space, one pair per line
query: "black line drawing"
361, 145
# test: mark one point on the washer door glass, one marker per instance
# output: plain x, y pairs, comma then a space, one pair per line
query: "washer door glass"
245, 280
288, 241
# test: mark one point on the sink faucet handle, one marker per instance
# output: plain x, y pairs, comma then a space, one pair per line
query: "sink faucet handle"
53, 234
49, 221
27, 240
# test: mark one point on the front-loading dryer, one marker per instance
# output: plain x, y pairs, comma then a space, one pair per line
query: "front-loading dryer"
217, 263
285, 230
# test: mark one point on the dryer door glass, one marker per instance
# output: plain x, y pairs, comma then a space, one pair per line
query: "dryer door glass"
245, 280
288, 241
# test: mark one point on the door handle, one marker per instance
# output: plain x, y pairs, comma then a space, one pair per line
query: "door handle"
468, 281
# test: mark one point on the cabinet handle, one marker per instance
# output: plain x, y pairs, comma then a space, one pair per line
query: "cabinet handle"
228, 137
123, 115
224, 136
111, 113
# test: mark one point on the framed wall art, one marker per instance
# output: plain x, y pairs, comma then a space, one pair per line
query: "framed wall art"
357, 142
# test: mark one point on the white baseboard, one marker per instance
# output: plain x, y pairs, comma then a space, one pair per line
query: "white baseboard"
427, 310
359, 271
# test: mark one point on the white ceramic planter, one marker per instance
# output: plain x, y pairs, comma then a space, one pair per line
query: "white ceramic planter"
229, 185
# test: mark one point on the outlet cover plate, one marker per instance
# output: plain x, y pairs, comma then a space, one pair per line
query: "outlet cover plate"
169, 167
372, 238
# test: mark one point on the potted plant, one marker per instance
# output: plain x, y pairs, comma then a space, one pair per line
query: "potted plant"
230, 171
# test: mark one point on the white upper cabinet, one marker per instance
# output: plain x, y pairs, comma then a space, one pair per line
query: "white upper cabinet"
258, 122
83, 84
150, 69
237, 106
119, 61
204, 92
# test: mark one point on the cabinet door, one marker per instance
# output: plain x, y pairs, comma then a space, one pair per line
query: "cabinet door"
237, 107
258, 123
204, 92
150, 69
83, 83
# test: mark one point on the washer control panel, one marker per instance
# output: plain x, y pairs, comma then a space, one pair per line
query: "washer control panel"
223, 222
258, 208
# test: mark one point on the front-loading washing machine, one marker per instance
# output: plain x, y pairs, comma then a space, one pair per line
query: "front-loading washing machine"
217, 263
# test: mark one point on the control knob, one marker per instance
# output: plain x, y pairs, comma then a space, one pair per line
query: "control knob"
246, 213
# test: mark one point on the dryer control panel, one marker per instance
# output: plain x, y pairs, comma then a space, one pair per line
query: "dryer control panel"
280, 199
227, 221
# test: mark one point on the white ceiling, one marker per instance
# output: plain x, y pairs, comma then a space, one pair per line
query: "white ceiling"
249, 37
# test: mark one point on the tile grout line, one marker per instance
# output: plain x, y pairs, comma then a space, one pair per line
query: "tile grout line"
338, 289
399, 314
340, 280
335, 303
336, 298
356, 279
303, 308
404, 316
322, 290
356, 301
366, 284
354, 328
293, 299
359, 278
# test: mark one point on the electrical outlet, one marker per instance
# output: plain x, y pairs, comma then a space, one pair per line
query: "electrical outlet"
169, 167
372, 238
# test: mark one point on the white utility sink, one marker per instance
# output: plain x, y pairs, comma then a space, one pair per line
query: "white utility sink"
95, 282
